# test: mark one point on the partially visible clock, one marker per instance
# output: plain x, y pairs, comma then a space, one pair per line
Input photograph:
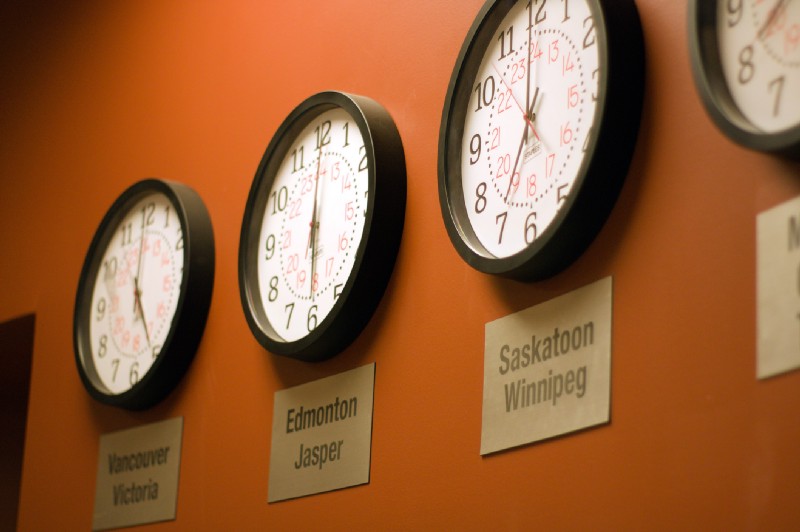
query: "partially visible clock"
144, 294
746, 63
322, 226
538, 129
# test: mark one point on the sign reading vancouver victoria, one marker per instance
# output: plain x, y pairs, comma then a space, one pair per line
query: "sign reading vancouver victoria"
547, 369
137, 475
322, 435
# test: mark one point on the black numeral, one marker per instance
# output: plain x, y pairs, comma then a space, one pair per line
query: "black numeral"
501, 219
475, 148
735, 10
148, 212
270, 246
748, 69
127, 233
589, 38
541, 14
480, 201
279, 199
777, 83
273, 289
362, 164
530, 228
505, 50
323, 132
297, 159
289, 310
485, 92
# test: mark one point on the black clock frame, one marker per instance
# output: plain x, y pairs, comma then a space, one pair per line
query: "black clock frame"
715, 94
603, 170
188, 323
377, 251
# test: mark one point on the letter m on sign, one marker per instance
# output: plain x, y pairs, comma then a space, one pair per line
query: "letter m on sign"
794, 233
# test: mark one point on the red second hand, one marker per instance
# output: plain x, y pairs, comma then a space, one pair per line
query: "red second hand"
524, 113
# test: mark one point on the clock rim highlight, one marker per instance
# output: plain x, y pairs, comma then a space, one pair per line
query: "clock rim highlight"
191, 310
713, 89
377, 251
602, 172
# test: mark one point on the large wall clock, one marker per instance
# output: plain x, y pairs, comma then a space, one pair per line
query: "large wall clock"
322, 226
144, 294
538, 129
746, 63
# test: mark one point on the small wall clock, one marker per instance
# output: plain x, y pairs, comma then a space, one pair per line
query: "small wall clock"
746, 63
322, 226
144, 294
538, 129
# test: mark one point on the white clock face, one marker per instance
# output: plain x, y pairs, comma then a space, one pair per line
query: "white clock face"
136, 292
529, 121
313, 224
759, 48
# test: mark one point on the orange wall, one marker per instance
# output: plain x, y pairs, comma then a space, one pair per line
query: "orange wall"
97, 95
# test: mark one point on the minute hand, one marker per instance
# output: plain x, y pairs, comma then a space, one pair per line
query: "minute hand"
523, 141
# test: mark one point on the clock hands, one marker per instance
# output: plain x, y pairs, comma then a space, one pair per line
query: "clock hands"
780, 6
312, 238
525, 114
529, 117
137, 292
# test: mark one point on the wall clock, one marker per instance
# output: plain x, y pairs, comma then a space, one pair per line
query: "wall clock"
537, 132
143, 294
322, 226
746, 63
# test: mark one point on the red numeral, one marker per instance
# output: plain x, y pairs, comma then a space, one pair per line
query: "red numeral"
495, 138
531, 185
536, 51
552, 55
503, 165
566, 64
549, 163
566, 134
572, 97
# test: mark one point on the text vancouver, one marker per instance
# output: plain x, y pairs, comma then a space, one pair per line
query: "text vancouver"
134, 461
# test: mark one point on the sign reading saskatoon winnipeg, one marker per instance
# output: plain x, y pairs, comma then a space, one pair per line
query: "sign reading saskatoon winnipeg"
322, 435
547, 369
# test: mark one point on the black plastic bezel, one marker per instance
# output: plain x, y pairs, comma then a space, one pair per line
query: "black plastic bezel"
191, 312
603, 171
377, 251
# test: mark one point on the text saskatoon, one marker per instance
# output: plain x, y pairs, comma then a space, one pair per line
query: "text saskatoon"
136, 492
523, 394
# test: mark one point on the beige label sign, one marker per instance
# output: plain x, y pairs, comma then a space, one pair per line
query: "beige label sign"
547, 369
137, 475
778, 289
322, 435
